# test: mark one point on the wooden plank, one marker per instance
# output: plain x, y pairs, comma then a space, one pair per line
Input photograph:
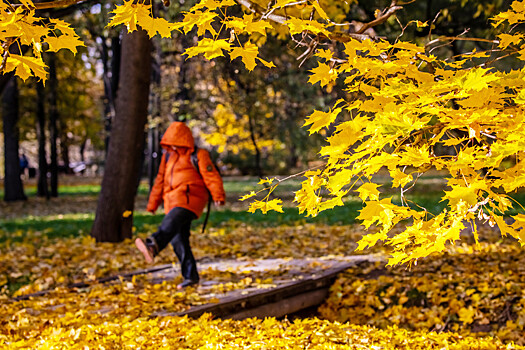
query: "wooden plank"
284, 307
252, 304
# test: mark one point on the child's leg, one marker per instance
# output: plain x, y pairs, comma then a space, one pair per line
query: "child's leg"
171, 226
181, 246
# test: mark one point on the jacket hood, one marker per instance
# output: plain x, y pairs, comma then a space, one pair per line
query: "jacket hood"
178, 134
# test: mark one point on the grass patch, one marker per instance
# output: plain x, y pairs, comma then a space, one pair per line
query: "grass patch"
69, 224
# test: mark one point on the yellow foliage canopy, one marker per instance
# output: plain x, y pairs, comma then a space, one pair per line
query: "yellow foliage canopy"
402, 104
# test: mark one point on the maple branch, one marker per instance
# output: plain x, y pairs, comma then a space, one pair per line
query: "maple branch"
453, 38
381, 18
286, 5
51, 4
255, 8
340, 37
5, 46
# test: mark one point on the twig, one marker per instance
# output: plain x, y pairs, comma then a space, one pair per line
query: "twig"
381, 19
5, 47
51, 4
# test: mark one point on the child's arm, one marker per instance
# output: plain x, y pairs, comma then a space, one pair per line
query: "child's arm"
155, 196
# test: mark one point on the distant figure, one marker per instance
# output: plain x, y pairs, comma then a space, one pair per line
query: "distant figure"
186, 179
24, 164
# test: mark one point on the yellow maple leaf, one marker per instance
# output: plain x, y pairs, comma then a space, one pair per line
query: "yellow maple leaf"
415, 156
264, 207
323, 73
368, 190
467, 315
64, 42
265, 181
200, 19
331, 203
248, 54
259, 26
370, 240
209, 47
509, 39
297, 26
127, 214
211, 5
320, 119
378, 211
32, 33
476, 79
163, 27
25, 67
126, 14
249, 195
64, 27
400, 178
326, 54
320, 10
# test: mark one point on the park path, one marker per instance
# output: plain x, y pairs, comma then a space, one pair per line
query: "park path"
294, 285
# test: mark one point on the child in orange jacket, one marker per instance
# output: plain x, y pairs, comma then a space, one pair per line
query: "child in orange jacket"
184, 191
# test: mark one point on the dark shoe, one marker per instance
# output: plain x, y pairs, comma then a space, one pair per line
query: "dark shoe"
187, 283
146, 249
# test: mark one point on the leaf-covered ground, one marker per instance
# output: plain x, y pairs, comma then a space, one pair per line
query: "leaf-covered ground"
466, 298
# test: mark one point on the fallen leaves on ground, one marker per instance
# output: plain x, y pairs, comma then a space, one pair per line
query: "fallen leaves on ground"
120, 331
440, 303
39, 263
465, 290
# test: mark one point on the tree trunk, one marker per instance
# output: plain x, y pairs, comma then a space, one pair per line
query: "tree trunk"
53, 128
111, 80
153, 131
42, 187
116, 200
13, 187
64, 148
258, 166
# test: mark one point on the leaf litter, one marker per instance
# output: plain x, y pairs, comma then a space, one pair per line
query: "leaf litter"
467, 298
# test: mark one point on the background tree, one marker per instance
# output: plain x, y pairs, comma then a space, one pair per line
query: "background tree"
114, 219
13, 187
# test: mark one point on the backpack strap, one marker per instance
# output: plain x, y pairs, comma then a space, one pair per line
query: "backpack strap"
195, 162
195, 159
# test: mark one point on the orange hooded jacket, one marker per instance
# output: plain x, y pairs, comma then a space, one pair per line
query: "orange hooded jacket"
178, 183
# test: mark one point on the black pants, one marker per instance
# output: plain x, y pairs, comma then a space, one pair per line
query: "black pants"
175, 229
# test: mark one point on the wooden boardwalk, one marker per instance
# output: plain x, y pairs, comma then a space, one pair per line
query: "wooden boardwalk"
305, 283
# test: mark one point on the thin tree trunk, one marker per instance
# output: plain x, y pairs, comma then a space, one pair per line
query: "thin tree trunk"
13, 187
156, 98
42, 187
53, 128
113, 220
258, 167
64, 148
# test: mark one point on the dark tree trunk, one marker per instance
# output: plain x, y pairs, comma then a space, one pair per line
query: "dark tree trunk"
64, 148
111, 62
4, 80
13, 187
258, 166
116, 56
155, 154
112, 224
42, 187
153, 131
53, 127
82, 152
